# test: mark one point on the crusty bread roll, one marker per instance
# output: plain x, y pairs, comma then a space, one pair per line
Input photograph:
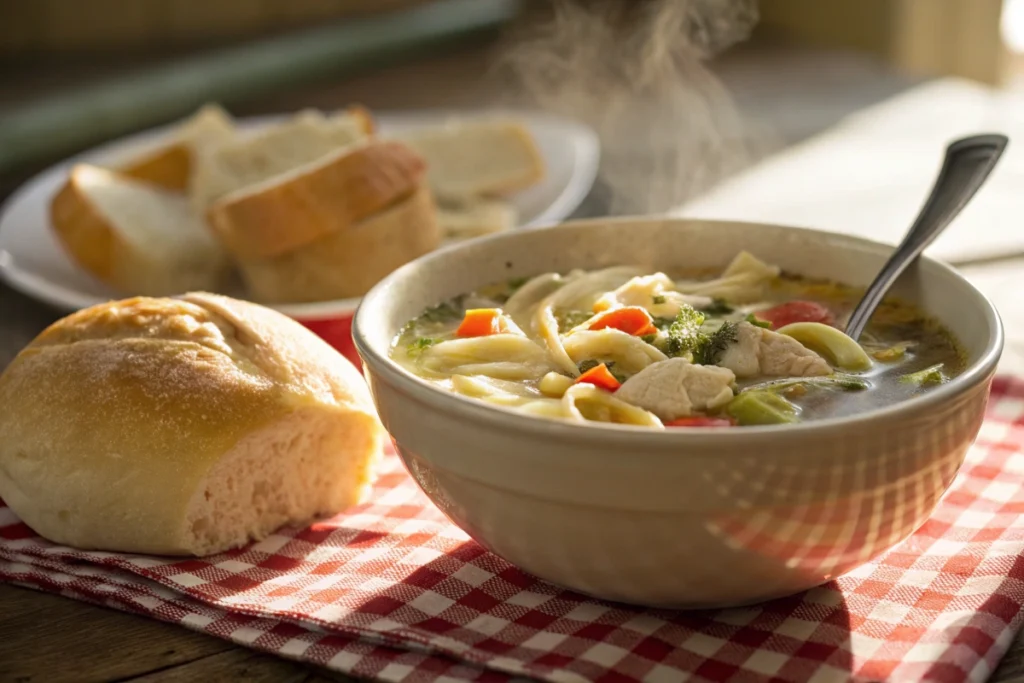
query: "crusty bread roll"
181, 427
135, 236
294, 209
350, 261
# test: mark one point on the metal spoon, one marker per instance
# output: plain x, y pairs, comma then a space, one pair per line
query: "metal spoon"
967, 165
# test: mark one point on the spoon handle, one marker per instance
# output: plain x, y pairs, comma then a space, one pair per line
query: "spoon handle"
967, 164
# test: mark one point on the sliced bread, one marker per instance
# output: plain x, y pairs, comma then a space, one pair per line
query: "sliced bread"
251, 159
292, 209
478, 158
476, 218
171, 163
348, 262
135, 236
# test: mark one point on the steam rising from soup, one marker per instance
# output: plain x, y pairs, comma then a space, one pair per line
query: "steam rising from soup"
637, 72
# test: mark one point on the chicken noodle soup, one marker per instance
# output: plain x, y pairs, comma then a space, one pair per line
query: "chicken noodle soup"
749, 346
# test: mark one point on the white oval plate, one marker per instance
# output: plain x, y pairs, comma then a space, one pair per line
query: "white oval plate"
34, 263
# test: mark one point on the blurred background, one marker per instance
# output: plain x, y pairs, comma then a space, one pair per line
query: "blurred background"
77, 72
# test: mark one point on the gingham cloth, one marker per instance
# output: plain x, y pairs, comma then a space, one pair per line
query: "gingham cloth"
392, 591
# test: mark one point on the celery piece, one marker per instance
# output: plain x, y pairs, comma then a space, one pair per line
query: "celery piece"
757, 322
930, 375
761, 408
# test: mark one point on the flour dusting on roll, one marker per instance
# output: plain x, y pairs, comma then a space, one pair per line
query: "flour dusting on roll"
181, 427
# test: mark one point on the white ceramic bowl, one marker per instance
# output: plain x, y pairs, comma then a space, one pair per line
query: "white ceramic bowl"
680, 518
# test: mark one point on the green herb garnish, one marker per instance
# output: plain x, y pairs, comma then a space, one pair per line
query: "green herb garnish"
417, 347
658, 299
757, 322
718, 307
570, 319
649, 338
834, 381
931, 375
711, 346
684, 334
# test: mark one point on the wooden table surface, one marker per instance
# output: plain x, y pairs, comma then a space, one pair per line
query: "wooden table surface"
45, 638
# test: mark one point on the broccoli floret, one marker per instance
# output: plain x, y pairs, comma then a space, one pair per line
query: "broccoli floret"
684, 334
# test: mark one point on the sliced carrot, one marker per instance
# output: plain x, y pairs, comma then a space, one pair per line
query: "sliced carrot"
481, 322
601, 377
700, 421
629, 319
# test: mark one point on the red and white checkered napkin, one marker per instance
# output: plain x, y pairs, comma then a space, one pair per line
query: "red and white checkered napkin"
392, 591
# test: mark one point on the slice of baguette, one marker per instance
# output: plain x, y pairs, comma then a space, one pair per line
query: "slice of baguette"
135, 236
477, 158
290, 210
350, 261
476, 218
170, 164
247, 160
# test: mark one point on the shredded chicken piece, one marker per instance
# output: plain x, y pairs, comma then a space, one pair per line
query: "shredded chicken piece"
676, 388
760, 352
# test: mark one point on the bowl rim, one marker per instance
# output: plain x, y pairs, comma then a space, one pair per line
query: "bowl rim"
976, 373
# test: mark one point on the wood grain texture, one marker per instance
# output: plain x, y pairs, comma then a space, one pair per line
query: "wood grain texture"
93, 643
231, 666
90, 643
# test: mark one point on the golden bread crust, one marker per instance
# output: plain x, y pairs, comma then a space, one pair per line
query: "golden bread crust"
120, 411
169, 167
331, 195
348, 263
83, 232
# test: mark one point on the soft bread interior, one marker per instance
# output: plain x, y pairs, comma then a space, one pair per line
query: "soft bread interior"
303, 466
474, 159
347, 263
151, 219
250, 160
475, 218
164, 244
